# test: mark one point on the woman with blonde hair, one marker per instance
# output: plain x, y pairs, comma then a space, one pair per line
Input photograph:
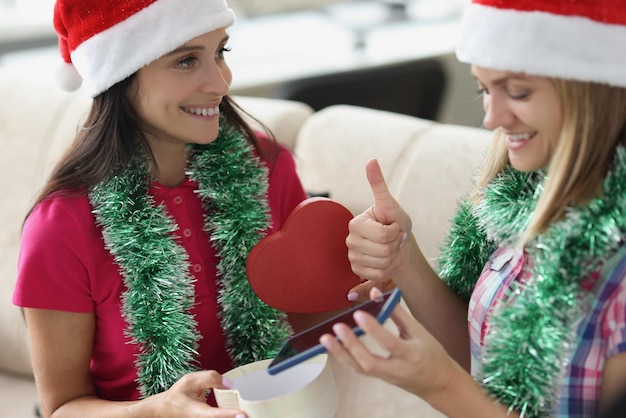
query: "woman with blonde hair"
525, 314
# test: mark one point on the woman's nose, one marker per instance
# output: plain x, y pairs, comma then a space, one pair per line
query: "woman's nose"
217, 79
497, 112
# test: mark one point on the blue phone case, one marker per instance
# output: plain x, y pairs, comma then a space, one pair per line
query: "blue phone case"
276, 366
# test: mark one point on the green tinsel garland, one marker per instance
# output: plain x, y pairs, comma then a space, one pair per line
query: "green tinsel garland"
465, 252
233, 186
530, 340
155, 269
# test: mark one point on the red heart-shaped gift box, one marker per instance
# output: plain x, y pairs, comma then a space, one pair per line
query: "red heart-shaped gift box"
304, 267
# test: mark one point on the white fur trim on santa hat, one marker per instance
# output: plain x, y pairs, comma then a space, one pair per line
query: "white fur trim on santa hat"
114, 54
546, 44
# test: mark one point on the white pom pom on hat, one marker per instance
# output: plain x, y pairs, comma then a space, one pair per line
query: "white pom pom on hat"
101, 43
577, 40
67, 77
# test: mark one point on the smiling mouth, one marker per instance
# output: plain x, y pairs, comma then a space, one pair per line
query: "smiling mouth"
521, 137
202, 111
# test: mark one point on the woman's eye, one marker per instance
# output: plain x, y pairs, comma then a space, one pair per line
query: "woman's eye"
519, 95
482, 91
186, 62
222, 50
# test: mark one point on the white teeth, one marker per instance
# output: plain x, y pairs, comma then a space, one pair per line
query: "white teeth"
203, 111
521, 137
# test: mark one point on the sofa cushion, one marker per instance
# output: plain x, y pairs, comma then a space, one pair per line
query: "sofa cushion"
283, 117
428, 166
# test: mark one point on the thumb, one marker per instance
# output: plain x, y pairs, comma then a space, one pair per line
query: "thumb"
386, 209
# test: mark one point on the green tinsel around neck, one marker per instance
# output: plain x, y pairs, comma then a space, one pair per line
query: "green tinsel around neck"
155, 269
530, 339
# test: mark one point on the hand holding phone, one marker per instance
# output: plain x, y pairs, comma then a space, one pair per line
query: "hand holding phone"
305, 345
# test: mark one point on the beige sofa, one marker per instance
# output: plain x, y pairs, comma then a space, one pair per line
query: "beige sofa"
428, 167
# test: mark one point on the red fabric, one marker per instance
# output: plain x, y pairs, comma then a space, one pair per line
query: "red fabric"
64, 266
84, 22
606, 11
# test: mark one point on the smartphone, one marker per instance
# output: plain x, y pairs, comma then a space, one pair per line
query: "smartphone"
304, 345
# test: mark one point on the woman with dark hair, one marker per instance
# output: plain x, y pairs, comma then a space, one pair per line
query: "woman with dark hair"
132, 262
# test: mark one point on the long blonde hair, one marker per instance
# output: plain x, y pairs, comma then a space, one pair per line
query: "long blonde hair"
594, 123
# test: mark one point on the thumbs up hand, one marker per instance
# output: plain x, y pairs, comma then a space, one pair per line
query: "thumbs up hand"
386, 209
376, 236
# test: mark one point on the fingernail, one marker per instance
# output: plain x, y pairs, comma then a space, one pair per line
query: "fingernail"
326, 342
228, 383
339, 332
404, 236
376, 294
240, 416
352, 296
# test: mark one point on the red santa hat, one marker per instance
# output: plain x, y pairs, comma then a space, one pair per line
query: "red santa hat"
103, 42
581, 40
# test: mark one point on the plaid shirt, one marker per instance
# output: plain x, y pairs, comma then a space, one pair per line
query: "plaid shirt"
601, 332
